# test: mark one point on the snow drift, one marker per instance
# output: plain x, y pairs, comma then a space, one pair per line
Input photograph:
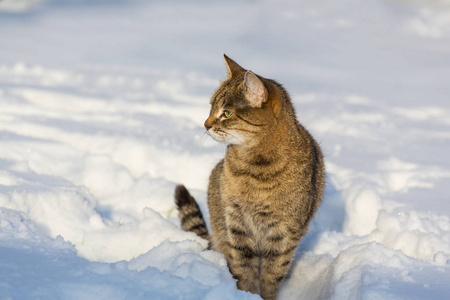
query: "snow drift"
101, 113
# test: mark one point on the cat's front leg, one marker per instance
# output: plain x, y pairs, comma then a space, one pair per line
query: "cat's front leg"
243, 258
275, 262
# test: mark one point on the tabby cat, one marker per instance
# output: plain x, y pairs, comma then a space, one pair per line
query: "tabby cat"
265, 191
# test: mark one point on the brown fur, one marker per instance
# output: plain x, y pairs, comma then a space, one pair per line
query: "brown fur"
265, 191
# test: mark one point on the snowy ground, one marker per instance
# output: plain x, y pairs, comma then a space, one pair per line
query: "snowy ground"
101, 112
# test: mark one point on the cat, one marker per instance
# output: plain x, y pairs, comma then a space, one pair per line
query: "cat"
265, 191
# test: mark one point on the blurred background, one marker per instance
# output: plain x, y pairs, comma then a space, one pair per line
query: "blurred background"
392, 50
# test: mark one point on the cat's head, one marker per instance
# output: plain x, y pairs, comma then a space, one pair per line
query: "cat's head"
242, 108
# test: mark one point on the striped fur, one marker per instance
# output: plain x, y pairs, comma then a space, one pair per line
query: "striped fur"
190, 214
264, 193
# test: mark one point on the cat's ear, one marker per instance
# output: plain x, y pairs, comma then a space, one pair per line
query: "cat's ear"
233, 67
254, 90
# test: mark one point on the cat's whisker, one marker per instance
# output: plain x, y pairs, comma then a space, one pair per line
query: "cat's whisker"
236, 137
203, 138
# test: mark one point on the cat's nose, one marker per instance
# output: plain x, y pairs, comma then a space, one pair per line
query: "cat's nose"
208, 123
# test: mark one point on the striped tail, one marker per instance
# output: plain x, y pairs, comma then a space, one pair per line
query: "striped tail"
189, 212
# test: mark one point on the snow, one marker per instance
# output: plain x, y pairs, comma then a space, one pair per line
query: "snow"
102, 105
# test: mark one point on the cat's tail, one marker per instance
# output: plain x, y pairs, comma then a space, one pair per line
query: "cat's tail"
189, 212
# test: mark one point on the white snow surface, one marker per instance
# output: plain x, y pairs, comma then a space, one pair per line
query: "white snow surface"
102, 106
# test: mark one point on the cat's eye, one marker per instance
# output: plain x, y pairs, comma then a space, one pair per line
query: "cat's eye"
227, 113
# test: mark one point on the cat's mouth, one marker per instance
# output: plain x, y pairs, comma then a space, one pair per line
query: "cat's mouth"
218, 135
225, 137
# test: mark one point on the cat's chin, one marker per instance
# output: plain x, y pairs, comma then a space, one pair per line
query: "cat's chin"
225, 138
